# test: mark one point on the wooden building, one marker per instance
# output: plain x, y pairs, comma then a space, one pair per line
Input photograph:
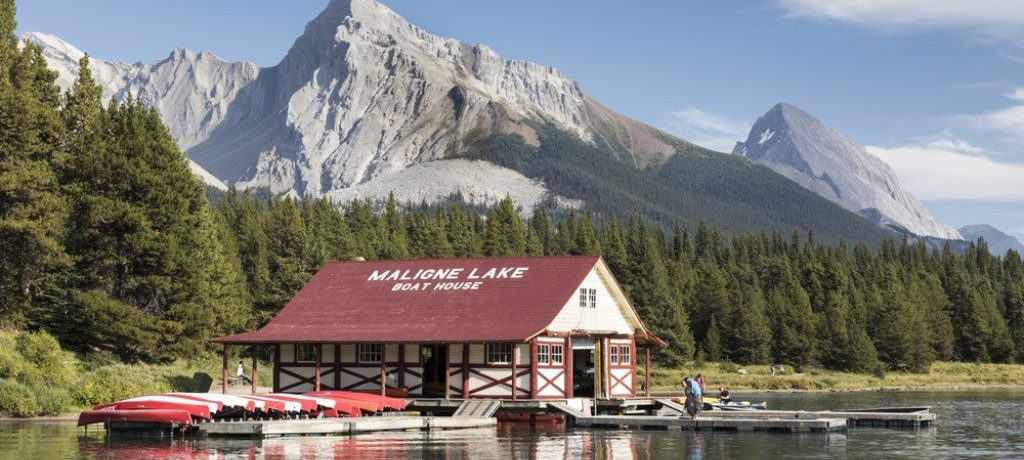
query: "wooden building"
516, 328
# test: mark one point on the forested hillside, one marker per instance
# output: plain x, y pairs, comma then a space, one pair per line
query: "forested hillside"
109, 243
695, 184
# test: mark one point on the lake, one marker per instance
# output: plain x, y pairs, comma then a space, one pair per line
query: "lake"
985, 423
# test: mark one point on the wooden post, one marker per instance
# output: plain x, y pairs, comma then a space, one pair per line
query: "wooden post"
224, 373
465, 371
383, 370
447, 372
316, 369
647, 373
515, 349
401, 365
255, 368
533, 368
567, 359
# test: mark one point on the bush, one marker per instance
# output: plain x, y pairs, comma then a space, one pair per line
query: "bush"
17, 400
728, 368
12, 365
52, 401
117, 382
48, 363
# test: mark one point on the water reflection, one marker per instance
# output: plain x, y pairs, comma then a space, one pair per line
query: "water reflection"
989, 424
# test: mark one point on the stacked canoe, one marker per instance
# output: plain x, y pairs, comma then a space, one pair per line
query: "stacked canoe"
180, 411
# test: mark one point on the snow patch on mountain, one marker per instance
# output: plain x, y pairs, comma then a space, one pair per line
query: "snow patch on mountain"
802, 148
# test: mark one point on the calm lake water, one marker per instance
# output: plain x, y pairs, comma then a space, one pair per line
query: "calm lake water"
979, 424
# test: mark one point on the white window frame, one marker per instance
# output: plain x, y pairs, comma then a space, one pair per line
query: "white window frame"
583, 297
543, 354
300, 349
496, 352
365, 352
613, 354
560, 354
625, 354
592, 298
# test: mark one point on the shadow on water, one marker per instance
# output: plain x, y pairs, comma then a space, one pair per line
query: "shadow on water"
989, 424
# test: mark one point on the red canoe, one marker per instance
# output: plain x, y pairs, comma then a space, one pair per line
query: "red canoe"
269, 404
195, 410
384, 402
398, 393
307, 405
350, 407
170, 416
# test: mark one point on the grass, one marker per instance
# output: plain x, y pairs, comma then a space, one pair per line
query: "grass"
941, 375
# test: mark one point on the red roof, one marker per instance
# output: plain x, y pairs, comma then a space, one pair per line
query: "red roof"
458, 300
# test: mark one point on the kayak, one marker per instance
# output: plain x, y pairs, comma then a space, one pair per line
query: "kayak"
361, 404
213, 407
740, 406
350, 407
169, 416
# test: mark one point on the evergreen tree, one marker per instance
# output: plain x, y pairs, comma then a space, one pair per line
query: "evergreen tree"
506, 234
32, 210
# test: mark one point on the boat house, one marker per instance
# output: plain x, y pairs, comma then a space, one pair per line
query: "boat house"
495, 327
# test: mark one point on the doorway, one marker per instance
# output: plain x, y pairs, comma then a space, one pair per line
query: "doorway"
583, 373
434, 369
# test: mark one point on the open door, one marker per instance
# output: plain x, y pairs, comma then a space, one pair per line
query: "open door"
583, 369
434, 359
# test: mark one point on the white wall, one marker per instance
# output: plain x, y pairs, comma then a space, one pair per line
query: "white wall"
608, 316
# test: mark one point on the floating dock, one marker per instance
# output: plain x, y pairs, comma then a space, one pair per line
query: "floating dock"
714, 423
339, 426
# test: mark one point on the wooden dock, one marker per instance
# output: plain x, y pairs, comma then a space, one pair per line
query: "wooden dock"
714, 423
922, 419
340, 426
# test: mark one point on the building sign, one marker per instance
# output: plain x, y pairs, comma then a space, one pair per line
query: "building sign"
444, 279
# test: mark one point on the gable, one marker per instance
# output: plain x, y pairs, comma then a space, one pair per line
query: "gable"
611, 314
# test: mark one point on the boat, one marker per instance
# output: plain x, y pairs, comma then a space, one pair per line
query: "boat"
227, 401
350, 407
276, 405
305, 405
385, 402
740, 406
196, 411
364, 405
397, 393
174, 418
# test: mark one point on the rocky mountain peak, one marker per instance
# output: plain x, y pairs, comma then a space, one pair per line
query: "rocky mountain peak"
809, 152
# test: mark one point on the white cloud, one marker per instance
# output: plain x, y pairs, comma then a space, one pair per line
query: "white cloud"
953, 169
714, 131
993, 19
1009, 120
1017, 94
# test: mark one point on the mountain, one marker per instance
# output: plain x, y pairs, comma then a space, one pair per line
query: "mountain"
365, 103
795, 144
998, 242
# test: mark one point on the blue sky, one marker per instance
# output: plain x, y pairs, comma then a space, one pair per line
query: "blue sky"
934, 87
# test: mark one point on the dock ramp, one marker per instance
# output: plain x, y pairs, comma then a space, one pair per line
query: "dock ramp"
672, 405
565, 409
477, 408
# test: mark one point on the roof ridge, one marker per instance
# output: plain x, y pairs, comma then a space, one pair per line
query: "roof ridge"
423, 259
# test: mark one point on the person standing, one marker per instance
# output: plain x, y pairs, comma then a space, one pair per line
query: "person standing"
700, 383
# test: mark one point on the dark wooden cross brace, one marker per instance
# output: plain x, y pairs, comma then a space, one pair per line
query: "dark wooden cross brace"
550, 382
505, 382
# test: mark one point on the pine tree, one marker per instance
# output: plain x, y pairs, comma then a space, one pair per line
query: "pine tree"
395, 244
32, 211
746, 335
506, 234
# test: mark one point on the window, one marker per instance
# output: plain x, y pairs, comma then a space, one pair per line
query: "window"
624, 354
613, 354
556, 354
588, 298
542, 354
305, 353
368, 352
499, 353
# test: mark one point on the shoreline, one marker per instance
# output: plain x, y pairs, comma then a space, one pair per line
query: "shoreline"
661, 392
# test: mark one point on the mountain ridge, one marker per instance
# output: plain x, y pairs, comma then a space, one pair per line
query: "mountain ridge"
998, 242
